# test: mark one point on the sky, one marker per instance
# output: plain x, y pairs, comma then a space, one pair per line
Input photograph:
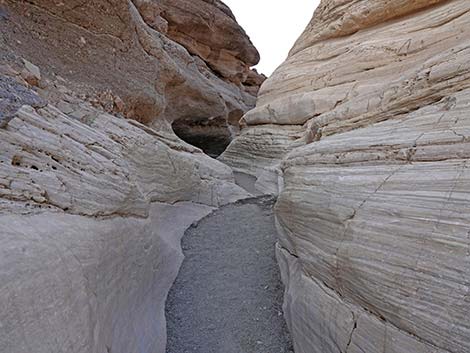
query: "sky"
273, 26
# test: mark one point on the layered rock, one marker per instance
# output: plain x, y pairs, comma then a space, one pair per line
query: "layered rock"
91, 214
93, 205
373, 209
209, 30
130, 49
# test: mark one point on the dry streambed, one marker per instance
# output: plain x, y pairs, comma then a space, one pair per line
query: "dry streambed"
228, 295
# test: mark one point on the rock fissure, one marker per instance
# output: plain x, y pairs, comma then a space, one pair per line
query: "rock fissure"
348, 345
361, 134
468, 247
405, 120
370, 312
94, 205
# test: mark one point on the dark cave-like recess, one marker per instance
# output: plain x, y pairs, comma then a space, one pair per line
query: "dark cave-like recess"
212, 137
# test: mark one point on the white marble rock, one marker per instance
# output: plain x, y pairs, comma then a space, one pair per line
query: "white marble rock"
374, 204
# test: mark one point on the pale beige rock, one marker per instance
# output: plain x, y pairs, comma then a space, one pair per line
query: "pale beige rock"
271, 142
79, 284
105, 166
343, 17
128, 49
91, 214
416, 55
93, 205
257, 151
373, 212
31, 73
339, 326
386, 225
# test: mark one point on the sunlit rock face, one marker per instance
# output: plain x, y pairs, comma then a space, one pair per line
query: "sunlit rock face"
93, 204
208, 29
367, 126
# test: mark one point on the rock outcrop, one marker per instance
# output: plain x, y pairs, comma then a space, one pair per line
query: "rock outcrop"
95, 188
365, 132
152, 56
208, 29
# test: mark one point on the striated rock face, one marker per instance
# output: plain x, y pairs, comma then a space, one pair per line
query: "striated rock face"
93, 205
91, 214
365, 130
164, 60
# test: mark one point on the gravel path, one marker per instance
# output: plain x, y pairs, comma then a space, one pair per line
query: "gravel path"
228, 295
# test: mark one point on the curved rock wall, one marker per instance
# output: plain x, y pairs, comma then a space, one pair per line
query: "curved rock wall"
374, 201
93, 205
150, 54
91, 214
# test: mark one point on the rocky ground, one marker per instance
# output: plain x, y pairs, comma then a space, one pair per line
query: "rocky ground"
228, 294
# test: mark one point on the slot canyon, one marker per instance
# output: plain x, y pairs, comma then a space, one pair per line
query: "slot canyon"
159, 194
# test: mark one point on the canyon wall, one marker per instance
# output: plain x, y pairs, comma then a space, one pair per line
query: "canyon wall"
364, 131
158, 62
96, 190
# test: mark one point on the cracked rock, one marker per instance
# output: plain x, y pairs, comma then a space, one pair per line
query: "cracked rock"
376, 206
13, 96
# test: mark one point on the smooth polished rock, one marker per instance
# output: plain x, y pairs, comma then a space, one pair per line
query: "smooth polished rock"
96, 190
373, 207
92, 210
79, 284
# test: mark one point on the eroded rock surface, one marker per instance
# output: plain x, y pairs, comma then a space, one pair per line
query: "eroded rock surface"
92, 204
91, 213
208, 29
365, 130
159, 61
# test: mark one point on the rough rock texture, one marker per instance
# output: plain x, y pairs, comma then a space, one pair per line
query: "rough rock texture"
126, 50
208, 29
374, 202
91, 214
93, 205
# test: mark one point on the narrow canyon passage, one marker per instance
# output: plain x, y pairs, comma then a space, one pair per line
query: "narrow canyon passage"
228, 295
